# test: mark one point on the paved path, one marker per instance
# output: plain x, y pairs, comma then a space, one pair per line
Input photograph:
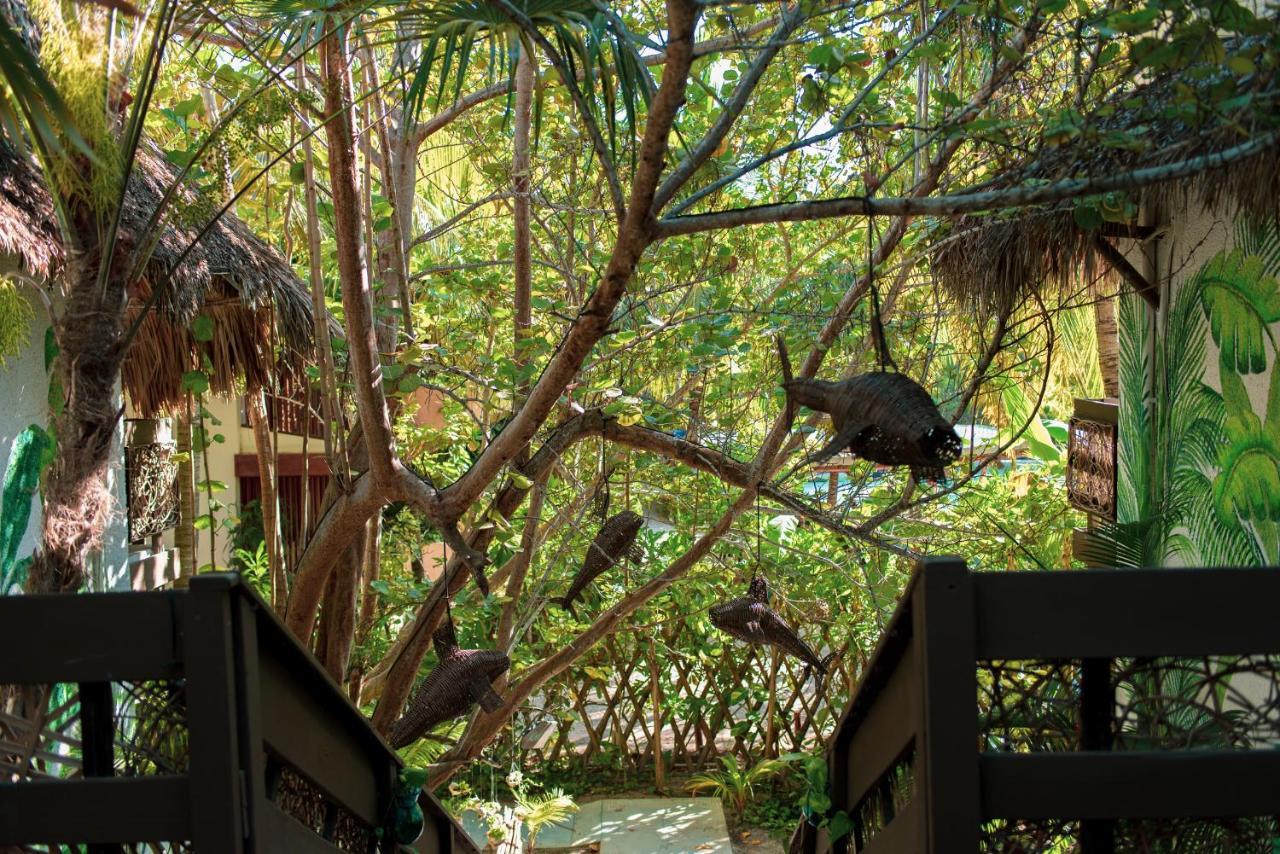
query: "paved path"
637, 826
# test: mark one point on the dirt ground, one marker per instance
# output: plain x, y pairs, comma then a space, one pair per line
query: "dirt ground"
754, 840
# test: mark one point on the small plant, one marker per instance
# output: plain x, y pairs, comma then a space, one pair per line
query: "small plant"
538, 811
255, 568
735, 783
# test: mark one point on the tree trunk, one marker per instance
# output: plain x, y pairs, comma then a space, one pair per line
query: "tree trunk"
353, 268
184, 535
338, 617
256, 402
1104, 321
77, 502
525, 77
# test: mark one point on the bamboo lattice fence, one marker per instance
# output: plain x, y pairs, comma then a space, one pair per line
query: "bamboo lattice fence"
714, 696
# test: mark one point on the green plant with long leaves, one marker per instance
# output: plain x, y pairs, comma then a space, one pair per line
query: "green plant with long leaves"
735, 782
538, 811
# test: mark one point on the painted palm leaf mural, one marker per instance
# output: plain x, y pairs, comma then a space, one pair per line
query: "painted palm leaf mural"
1200, 467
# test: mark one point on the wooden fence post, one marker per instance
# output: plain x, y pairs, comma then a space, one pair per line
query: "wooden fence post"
216, 792
946, 634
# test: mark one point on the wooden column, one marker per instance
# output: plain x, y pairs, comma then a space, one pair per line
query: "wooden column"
949, 780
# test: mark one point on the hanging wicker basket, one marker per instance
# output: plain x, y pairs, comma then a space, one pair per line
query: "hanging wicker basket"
463, 678
884, 417
749, 618
615, 540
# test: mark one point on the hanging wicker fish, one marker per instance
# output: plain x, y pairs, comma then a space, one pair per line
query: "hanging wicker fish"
881, 416
463, 678
615, 540
749, 618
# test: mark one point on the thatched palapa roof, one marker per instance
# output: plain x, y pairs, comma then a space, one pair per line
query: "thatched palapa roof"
1174, 116
230, 276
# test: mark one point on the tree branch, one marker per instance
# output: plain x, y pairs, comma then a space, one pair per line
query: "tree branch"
958, 203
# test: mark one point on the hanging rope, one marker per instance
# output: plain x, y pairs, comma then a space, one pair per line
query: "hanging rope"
877, 320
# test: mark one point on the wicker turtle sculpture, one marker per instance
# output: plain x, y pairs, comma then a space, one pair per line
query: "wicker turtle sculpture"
615, 540
882, 416
749, 618
463, 678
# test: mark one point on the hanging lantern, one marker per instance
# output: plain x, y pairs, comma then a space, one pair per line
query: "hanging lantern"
463, 678
749, 618
615, 540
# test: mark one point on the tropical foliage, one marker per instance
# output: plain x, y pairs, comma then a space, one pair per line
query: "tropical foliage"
568, 235
1199, 454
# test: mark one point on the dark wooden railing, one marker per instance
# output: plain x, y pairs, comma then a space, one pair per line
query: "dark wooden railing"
1029, 711
202, 723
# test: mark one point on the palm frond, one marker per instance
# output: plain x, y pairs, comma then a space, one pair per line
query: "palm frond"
31, 110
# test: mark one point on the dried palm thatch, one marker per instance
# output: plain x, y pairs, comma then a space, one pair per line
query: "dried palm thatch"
749, 618
992, 261
463, 678
230, 276
615, 540
884, 417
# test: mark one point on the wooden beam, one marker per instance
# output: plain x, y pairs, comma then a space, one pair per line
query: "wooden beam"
1098, 613
105, 637
114, 809
1126, 231
1147, 784
1114, 257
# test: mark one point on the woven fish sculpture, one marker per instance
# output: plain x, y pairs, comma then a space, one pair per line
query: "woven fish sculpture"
884, 417
749, 618
615, 540
463, 678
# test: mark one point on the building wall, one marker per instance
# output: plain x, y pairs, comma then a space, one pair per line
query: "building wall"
1199, 478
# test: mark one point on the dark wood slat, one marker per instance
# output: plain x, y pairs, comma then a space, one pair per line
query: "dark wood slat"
117, 636
1156, 785
252, 752
304, 733
947, 762
1099, 613
886, 731
216, 809
900, 835
278, 831
135, 809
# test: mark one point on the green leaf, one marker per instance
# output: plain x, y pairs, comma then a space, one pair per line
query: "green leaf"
1240, 302
839, 826
21, 480
195, 382
202, 328
298, 172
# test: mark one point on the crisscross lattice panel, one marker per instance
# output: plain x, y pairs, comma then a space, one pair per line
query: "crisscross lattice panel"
42, 737
1217, 836
748, 700
1218, 703
1091, 467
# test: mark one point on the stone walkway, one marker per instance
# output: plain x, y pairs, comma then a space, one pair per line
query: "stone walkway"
636, 826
